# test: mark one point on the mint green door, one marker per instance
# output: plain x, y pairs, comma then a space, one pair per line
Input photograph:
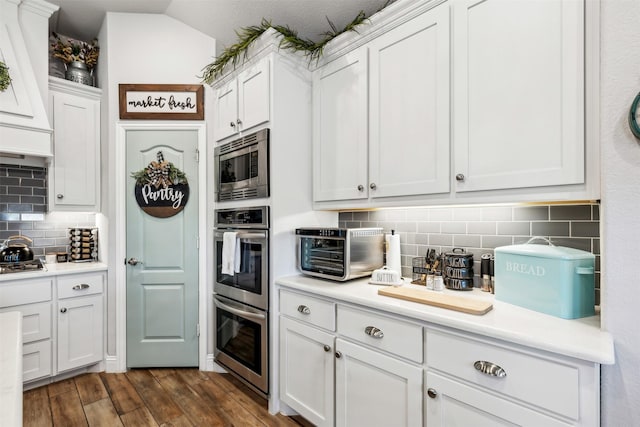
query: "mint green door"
162, 251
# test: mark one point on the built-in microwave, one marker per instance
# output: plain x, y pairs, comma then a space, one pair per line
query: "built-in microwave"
242, 167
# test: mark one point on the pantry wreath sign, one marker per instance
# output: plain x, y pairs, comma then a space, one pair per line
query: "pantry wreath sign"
161, 189
161, 101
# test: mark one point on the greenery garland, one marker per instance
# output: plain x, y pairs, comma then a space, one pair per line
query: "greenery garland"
5, 78
290, 41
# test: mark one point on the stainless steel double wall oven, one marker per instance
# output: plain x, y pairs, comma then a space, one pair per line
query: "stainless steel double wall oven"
241, 299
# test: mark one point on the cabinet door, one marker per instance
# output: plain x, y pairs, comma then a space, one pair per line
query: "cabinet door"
373, 389
340, 129
450, 403
518, 79
80, 332
76, 149
253, 96
36, 360
306, 371
226, 110
409, 107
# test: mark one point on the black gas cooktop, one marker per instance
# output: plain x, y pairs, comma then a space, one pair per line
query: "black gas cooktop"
22, 266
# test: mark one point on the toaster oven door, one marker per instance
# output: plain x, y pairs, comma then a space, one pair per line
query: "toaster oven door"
324, 257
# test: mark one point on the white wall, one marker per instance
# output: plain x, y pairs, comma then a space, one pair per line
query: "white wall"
140, 48
620, 218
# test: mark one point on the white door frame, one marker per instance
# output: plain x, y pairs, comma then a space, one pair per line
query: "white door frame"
121, 230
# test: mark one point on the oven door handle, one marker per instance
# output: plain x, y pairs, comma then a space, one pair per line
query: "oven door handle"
237, 312
242, 235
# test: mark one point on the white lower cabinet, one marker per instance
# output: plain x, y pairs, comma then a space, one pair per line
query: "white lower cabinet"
373, 389
74, 334
78, 321
307, 371
474, 381
33, 299
346, 383
373, 368
452, 403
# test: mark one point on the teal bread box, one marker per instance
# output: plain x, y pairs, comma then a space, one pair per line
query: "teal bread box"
550, 279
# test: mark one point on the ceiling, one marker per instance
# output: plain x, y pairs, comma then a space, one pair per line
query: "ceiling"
81, 19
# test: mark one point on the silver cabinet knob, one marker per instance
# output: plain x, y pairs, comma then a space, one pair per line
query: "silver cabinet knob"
327, 348
239, 122
490, 369
232, 124
63, 310
59, 196
338, 355
374, 332
133, 261
372, 186
80, 287
360, 187
304, 309
460, 177
432, 393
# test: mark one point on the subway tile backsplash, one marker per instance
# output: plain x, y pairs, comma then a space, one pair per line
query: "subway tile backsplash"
23, 210
480, 230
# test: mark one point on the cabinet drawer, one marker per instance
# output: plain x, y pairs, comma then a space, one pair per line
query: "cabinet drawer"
382, 332
36, 321
309, 309
550, 384
36, 360
79, 285
25, 292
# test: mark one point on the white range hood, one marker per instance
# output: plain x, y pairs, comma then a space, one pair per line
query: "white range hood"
24, 126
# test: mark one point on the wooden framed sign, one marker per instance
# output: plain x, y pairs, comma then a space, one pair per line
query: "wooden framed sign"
161, 102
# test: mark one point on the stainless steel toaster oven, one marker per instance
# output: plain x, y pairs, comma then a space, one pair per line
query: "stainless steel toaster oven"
339, 253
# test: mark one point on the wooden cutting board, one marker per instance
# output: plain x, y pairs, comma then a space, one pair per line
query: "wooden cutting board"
438, 299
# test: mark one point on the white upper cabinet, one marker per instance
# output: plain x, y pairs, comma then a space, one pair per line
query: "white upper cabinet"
381, 115
243, 102
518, 94
340, 128
75, 115
466, 101
409, 107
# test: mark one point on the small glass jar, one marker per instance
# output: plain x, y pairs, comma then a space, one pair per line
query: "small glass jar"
438, 282
429, 281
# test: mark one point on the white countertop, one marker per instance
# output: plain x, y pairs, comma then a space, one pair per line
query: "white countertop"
580, 338
11, 368
56, 269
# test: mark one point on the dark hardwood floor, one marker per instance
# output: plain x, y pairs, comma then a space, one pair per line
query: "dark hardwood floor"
149, 397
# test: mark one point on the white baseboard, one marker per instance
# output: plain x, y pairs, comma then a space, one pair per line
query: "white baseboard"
112, 364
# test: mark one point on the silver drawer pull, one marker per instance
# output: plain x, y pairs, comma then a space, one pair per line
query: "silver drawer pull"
490, 369
304, 309
372, 331
80, 287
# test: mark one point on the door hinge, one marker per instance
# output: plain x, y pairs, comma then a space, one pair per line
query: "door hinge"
197, 329
197, 155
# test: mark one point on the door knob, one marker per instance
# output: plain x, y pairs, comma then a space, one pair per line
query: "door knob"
432, 393
338, 355
360, 187
460, 177
133, 261
372, 186
63, 310
327, 348
233, 125
59, 196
